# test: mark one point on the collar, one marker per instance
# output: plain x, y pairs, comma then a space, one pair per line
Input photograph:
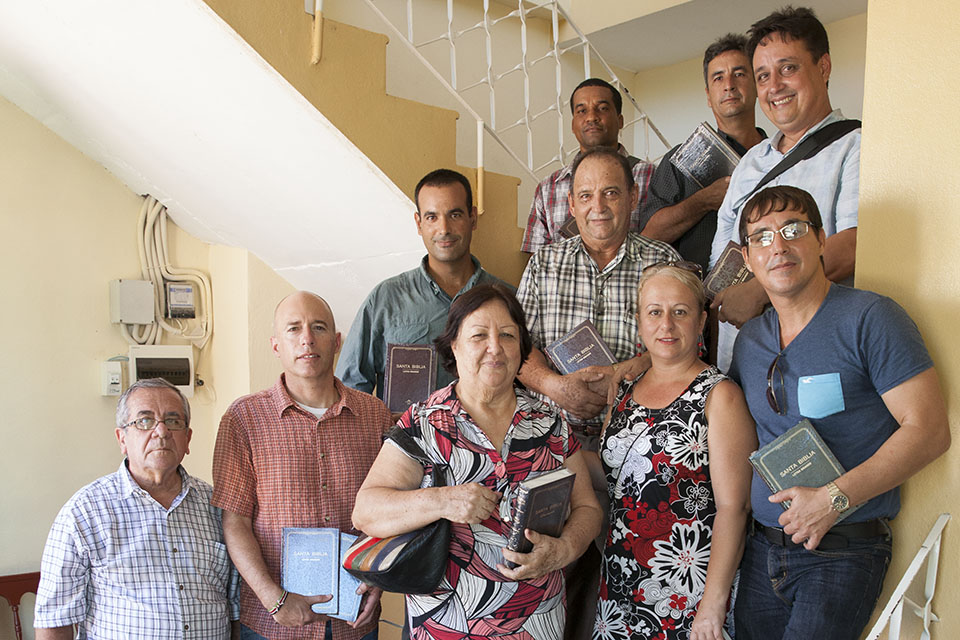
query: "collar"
477, 269
282, 400
733, 142
774, 142
565, 171
631, 247
129, 486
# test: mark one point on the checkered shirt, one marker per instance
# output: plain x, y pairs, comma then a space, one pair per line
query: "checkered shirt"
551, 209
278, 464
122, 566
562, 286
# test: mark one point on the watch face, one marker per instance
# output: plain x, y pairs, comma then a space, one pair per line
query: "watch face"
840, 503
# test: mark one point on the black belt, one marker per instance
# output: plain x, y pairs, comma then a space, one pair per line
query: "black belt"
836, 538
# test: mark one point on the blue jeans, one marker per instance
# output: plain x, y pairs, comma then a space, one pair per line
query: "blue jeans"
789, 593
246, 633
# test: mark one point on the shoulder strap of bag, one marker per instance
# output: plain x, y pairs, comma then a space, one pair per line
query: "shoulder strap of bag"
408, 444
814, 144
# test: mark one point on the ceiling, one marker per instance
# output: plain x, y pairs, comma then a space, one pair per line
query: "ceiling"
658, 39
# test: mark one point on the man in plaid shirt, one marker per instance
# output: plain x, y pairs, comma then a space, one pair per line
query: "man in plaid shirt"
597, 120
295, 455
139, 554
592, 276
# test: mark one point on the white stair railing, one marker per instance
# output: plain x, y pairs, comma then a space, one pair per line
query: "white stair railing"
536, 144
893, 611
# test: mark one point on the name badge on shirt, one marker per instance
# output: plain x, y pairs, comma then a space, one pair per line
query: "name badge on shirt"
820, 396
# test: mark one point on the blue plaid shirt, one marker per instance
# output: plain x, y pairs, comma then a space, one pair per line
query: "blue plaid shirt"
121, 566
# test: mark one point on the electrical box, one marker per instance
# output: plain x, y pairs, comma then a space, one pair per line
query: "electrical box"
180, 300
131, 301
172, 362
111, 378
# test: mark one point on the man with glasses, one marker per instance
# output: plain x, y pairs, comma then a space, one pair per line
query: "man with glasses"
854, 364
815, 148
592, 276
139, 553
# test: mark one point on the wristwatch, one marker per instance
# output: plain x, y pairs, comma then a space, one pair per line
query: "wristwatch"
838, 499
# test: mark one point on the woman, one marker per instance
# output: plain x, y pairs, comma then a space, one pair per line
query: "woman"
493, 436
674, 453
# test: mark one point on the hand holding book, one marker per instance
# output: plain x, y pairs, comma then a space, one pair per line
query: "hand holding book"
810, 515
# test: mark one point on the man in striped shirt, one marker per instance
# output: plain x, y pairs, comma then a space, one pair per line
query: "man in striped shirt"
139, 553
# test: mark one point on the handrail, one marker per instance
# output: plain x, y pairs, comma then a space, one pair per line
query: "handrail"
893, 611
533, 143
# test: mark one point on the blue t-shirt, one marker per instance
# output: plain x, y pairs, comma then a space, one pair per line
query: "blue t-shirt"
858, 346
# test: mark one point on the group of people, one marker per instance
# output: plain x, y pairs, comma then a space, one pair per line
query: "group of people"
669, 529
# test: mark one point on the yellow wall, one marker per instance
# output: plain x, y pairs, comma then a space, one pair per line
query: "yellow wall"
907, 241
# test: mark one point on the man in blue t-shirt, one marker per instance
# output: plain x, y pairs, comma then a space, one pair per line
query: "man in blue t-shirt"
854, 364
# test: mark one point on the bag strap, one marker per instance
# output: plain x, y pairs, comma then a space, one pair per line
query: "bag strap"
410, 446
814, 144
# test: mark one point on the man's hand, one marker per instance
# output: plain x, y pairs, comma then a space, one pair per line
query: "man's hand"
470, 503
810, 515
583, 393
368, 608
296, 611
712, 195
626, 370
741, 302
548, 554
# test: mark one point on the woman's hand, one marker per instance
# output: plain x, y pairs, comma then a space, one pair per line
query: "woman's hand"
708, 625
468, 503
548, 554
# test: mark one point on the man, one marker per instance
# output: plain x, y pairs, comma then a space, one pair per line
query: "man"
412, 307
294, 455
597, 120
791, 66
139, 553
855, 365
678, 211
592, 276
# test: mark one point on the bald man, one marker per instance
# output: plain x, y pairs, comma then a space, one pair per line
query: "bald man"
294, 455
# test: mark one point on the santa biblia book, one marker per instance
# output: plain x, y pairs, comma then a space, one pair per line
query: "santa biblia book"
312, 565
798, 458
705, 157
542, 504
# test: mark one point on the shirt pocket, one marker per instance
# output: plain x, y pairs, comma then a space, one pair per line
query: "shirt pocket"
820, 396
407, 333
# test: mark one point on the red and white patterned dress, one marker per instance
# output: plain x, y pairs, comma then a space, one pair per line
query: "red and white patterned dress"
661, 515
474, 600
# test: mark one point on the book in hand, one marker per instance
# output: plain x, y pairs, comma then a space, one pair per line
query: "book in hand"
798, 458
542, 504
348, 600
410, 375
729, 270
310, 564
581, 347
705, 157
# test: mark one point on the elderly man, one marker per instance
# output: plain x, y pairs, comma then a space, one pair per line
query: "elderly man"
791, 66
597, 120
854, 364
139, 553
412, 307
294, 455
592, 276
678, 211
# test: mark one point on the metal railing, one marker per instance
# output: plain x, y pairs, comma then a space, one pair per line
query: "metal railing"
534, 141
893, 611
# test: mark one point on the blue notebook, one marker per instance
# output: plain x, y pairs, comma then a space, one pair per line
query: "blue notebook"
310, 564
349, 598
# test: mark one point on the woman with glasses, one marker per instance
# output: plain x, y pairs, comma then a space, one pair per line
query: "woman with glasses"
674, 453
491, 435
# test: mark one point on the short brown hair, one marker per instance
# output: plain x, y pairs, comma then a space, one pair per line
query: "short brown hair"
779, 198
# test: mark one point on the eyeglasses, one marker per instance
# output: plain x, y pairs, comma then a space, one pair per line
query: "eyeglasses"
779, 407
789, 231
686, 265
149, 423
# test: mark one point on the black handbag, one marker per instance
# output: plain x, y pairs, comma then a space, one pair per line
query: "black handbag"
412, 562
